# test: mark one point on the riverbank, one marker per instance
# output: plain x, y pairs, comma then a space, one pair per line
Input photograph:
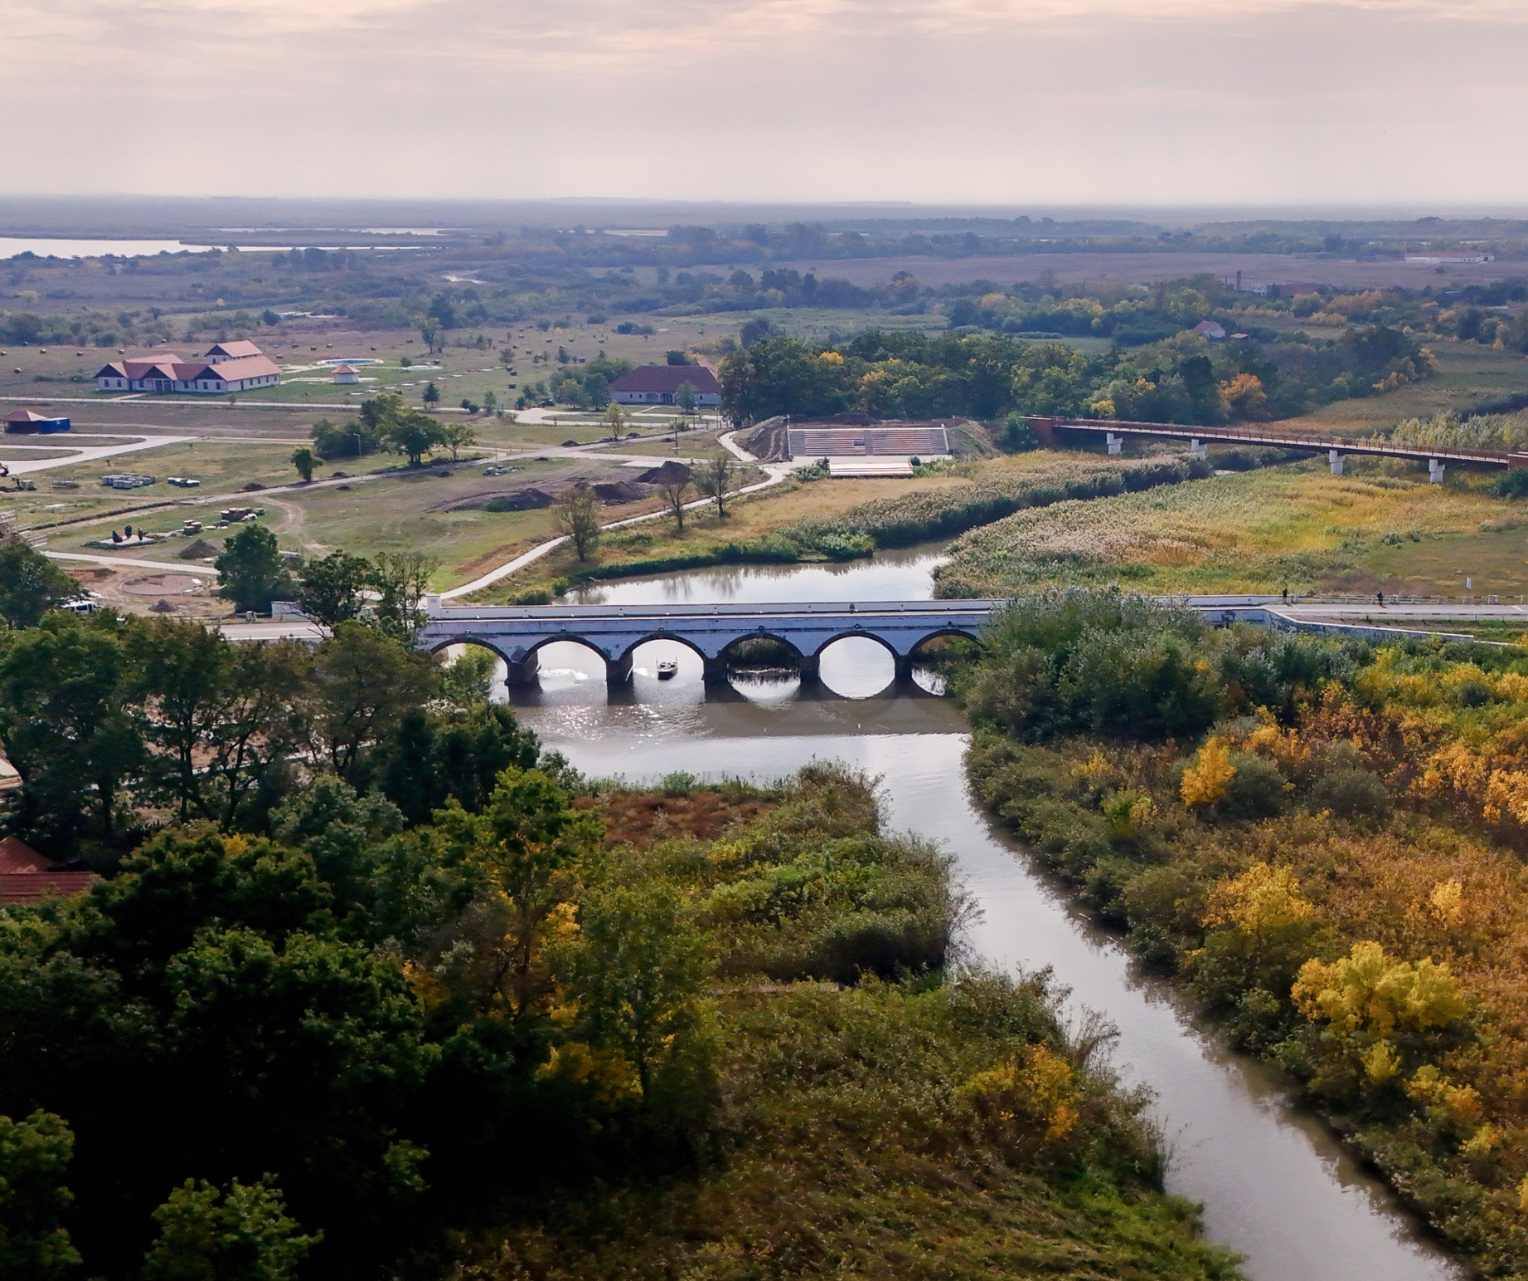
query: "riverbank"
841, 520
1322, 843
875, 1117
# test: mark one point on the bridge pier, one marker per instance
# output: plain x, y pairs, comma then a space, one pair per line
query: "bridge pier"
811, 670
713, 672
1114, 444
1435, 471
618, 672
1334, 457
904, 669
1197, 448
522, 671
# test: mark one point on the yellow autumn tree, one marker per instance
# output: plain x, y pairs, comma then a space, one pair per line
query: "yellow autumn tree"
1027, 1100
1205, 780
1259, 902
1245, 397
1369, 996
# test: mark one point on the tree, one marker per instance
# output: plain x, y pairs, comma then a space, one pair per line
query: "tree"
1245, 397
578, 517
304, 461
676, 492
639, 976
30, 584
66, 725
330, 591
615, 419
402, 579
676, 357
413, 434
685, 399
364, 682
244, 1234
34, 1198
250, 570
459, 436
491, 403
182, 685
714, 479
431, 394
524, 847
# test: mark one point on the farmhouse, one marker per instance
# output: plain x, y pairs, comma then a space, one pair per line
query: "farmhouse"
1211, 329
26, 420
657, 385
226, 367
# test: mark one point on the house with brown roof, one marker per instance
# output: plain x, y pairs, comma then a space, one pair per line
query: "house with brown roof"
27, 878
226, 367
21, 421
658, 384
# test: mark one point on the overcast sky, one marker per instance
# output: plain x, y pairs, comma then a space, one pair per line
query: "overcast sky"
1001, 101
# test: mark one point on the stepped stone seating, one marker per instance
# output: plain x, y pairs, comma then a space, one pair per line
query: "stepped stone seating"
862, 442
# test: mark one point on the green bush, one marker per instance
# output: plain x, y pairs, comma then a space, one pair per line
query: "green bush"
1351, 793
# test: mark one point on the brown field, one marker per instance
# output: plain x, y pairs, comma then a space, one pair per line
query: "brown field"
1147, 268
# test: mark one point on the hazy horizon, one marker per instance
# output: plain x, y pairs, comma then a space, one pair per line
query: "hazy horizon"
1104, 104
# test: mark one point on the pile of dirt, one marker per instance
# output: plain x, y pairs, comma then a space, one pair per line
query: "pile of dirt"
767, 440
524, 499
619, 491
669, 473
201, 549
162, 607
249, 487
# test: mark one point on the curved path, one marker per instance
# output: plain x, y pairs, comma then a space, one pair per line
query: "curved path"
775, 474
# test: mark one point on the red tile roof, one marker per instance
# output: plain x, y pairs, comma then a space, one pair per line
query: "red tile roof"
668, 378
17, 856
256, 366
27, 416
235, 349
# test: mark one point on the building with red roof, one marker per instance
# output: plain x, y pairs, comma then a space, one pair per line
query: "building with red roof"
20, 421
226, 367
27, 878
657, 385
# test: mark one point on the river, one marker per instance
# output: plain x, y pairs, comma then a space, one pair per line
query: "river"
1274, 1183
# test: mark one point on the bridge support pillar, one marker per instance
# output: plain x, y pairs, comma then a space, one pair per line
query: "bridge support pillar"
1114, 444
811, 669
1334, 457
522, 671
904, 669
618, 672
1435, 470
1197, 448
714, 672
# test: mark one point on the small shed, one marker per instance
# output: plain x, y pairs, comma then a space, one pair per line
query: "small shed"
346, 374
27, 420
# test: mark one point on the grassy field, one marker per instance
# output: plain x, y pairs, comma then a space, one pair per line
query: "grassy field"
1467, 374
1294, 526
222, 467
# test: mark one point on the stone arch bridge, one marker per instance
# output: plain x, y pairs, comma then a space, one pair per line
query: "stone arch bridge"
517, 633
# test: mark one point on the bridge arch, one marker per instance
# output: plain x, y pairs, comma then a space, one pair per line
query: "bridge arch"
939, 633
775, 637
675, 637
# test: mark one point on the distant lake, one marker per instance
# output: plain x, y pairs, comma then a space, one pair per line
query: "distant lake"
10, 246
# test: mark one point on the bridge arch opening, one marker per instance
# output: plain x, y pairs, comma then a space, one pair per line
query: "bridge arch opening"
560, 669
761, 666
857, 664
474, 661
649, 659
932, 660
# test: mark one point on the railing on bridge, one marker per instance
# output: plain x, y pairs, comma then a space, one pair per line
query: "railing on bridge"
1289, 440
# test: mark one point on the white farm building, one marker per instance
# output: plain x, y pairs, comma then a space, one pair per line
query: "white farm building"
226, 367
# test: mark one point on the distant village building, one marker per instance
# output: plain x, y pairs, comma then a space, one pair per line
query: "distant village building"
20, 421
1209, 329
226, 367
346, 374
657, 385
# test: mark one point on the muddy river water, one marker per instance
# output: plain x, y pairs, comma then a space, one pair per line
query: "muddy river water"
1274, 1184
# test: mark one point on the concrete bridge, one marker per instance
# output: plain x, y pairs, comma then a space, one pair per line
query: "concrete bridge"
614, 632
1336, 448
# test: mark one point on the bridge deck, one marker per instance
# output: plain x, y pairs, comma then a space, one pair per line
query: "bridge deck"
1291, 440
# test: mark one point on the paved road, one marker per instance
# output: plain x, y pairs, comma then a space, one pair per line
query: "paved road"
128, 562
91, 453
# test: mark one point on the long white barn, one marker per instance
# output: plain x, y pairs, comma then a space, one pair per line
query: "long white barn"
226, 367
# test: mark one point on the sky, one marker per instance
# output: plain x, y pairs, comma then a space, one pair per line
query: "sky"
947, 101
